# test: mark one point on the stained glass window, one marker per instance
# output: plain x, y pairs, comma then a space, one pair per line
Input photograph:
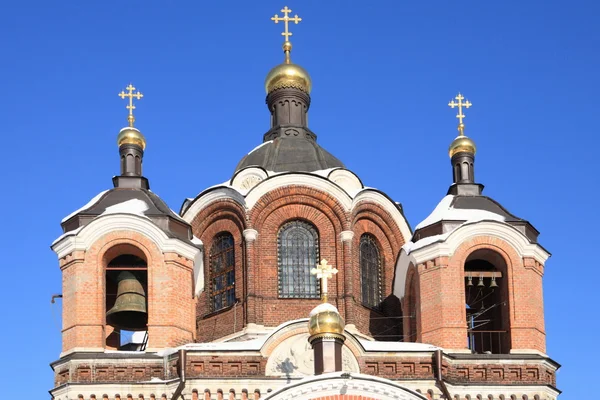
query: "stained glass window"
298, 253
222, 272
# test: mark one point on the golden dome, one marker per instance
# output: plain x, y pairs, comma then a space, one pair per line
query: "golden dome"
288, 75
462, 143
131, 135
325, 319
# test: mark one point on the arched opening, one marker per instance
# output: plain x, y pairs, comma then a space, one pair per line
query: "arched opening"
411, 311
222, 272
297, 254
486, 299
370, 269
126, 300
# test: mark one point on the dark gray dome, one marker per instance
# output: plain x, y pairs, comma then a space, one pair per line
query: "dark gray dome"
290, 154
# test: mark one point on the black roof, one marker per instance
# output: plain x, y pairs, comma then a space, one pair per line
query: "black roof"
291, 154
158, 212
476, 202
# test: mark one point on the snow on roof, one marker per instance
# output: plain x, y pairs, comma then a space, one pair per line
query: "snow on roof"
88, 205
445, 212
133, 206
260, 145
68, 233
410, 246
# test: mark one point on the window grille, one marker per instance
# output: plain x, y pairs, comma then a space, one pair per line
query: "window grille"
298, 253
370, 267
222, 272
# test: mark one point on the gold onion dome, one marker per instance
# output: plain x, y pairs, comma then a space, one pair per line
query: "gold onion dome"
325, 319
460, 144
288, 75
131, 135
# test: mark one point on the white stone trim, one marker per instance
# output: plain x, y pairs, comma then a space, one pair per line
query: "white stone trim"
337, 383
312, 181
449, 243
346, 236
84, 238
203, 200
378, 198
348, 200
250, 235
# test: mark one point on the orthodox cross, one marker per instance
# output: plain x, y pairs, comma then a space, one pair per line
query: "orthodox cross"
130, 107
324, 271
460, 115
286, 19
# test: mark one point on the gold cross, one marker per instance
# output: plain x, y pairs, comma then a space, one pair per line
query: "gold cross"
460, 106
324, 271
286, 19
130, 107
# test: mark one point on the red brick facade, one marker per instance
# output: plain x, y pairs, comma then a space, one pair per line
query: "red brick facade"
171, 316
431, 311
257, 267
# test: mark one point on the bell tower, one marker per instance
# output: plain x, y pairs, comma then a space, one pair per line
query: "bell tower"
127, 262
471, 277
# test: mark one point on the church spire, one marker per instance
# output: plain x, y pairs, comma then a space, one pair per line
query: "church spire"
462, 154
131, 144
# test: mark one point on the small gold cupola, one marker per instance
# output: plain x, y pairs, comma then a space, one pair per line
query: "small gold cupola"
287, 75
461, 143
462, 156
326, 326
129, 134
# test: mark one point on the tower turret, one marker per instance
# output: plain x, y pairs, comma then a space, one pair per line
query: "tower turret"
462, 155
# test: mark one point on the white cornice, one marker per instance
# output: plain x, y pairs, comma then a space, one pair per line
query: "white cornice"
348, 200
203, 200
84, 238
312, 181
449, 243
378, 198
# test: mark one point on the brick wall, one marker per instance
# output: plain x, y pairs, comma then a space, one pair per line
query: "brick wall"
257, 267
170, 300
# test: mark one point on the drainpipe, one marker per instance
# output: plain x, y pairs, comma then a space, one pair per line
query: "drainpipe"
181, 372
438, 376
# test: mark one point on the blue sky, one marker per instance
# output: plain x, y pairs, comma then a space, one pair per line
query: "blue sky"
383, 73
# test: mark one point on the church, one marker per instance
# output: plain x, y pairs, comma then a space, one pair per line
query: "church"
295, 280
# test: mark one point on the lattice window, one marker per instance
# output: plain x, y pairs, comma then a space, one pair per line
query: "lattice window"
370, 267
298, 253
222, 272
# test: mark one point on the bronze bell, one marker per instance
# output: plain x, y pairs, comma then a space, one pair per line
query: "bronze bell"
493, 284
129, 312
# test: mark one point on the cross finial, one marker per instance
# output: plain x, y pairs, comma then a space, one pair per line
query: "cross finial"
130, 106
287, 45
460, 104
324, 271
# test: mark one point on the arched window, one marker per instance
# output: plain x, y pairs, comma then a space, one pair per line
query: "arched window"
222, 272
370, 269
298, 253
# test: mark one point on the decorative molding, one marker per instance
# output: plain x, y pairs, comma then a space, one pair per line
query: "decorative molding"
84, 238
248, 178
294, 357
346, 179
221, 192
350, 384
447, 245
250, 235
378, 198
346, 236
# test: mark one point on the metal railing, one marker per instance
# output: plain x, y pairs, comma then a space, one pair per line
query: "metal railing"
494, 342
